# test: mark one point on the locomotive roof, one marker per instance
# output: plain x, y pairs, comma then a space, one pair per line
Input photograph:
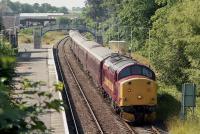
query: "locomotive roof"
117, 62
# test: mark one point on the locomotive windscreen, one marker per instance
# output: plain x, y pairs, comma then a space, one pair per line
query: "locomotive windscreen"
136, 70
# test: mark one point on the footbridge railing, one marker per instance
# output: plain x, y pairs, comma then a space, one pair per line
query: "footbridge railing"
40, 31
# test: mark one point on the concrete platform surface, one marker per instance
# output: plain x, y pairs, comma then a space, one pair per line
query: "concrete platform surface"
39, 65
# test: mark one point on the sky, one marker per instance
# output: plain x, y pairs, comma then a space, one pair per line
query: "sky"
59, 3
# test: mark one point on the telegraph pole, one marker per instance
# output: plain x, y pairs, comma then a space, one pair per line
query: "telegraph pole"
149, 46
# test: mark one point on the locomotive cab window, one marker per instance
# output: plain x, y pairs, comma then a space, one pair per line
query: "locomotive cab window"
136, 70
124, 73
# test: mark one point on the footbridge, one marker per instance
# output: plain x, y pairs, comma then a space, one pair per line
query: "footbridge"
39, 32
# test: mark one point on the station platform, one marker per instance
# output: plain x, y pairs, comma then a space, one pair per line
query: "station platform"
39, 65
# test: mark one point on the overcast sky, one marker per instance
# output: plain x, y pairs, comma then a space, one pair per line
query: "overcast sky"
59, 3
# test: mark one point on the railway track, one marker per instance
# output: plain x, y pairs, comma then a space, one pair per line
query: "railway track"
108, 122
60, 46
83, 94
61, 78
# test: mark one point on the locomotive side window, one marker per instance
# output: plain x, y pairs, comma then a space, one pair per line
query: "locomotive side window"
124, 73
147, 72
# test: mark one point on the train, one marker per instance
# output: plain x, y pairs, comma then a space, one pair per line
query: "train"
130, 85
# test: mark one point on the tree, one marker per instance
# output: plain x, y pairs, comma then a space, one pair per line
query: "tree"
18, 7
136, 14
36, 7
63, 21
63, 10
17, 115
175, 38
1, 24
26, 8
93, 13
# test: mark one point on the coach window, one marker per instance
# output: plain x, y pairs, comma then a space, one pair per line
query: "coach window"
124, 73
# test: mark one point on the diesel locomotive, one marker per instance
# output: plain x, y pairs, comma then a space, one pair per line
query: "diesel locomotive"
131, 86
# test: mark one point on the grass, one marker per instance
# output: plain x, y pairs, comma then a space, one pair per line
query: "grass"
169, 105
25, 39
26, 36
52, 38
177, 126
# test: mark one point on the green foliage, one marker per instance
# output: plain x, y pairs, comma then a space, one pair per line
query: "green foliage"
7, 61
59, 86
35, 8
1, 24
175, 42
26, 36
94, 12
168, 96
27, 31
174, 35
121, 20
17, 114
136, 15
63, 21
77, 9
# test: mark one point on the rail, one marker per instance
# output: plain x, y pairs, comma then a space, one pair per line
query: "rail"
63, 42
60, 72
83, 94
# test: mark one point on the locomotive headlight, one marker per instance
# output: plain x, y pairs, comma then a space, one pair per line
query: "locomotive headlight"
139, 97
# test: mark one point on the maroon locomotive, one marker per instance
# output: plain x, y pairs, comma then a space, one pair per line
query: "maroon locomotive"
130, 85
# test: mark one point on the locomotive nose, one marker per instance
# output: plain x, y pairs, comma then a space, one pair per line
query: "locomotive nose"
138, 91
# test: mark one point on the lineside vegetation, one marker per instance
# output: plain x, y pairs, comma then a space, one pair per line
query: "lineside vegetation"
17, 115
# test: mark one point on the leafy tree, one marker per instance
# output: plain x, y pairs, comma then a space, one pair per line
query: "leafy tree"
93, 13
17, 115
63, 21
121, 18
18, 7
175, 41
174, 32
136, 14
27, 8
36, 7
63, 10
7, 61
1, 24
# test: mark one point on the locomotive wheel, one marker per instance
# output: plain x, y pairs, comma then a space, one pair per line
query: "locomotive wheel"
149, 118
139, 118
128, 117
